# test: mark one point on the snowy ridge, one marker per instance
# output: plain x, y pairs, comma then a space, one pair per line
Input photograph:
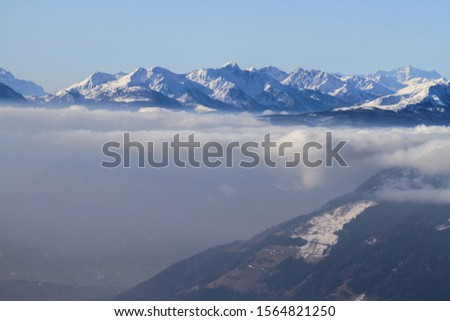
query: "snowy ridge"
433, 93
404, 74
320, 231
94, 80
230, 88
351, 89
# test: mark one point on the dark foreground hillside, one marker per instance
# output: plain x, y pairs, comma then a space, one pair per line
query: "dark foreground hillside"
359, 246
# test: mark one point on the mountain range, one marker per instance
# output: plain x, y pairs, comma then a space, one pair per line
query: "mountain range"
230, 88
372, 244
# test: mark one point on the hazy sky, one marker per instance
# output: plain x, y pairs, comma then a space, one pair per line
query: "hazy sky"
56, 43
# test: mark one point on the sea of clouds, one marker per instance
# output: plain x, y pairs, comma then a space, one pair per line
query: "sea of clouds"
68, 220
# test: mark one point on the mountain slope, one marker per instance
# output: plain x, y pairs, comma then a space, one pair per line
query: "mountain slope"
224, 88
351, 89
24, 87
277, 74
94, 80
394, 78
419, 93
230, 88
359, 246
9, 96
132, 90
258, 90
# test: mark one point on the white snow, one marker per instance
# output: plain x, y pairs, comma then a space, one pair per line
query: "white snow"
352, 89
415, 92
274, 72
404, 74
443, 227
360, 297
321, 231
308, 90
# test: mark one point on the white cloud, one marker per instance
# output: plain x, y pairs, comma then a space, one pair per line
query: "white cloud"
51, 177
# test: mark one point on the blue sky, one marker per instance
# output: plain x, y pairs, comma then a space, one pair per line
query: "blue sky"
56, 43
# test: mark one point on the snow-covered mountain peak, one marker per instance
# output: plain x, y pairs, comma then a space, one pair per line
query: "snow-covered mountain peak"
274, 72
313, 79
231, 65
135, 78
432, 93
161, 70
406, 73
231, 88
96, 79
409, 72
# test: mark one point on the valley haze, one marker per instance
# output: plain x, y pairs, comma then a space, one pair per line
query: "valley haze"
142, 220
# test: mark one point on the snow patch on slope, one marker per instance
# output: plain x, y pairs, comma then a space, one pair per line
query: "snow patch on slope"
416, 91
321, 231
443, 227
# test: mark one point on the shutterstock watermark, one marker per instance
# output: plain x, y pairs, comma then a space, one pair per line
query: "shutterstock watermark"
190, 152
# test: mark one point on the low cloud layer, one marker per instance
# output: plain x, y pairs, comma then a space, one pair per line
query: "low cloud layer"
76, 222
440, 196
